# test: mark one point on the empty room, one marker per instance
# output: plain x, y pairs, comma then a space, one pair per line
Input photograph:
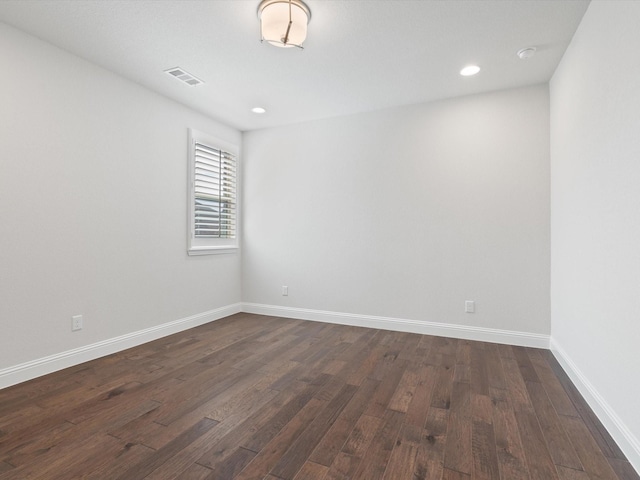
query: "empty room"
320, 239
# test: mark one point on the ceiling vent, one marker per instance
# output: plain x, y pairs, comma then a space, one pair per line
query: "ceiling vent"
183, 76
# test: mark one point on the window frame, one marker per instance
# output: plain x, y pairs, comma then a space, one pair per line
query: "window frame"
210, 246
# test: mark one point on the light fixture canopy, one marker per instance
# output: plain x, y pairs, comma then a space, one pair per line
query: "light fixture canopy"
526, 53
283, 23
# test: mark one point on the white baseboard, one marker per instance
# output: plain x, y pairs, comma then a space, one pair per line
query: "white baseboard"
627, 441
42, 366
508, 337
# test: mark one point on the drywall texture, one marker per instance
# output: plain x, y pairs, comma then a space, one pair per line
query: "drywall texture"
93, 177
595, 205
406, 212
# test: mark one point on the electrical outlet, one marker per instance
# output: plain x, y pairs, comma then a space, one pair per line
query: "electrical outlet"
285, 291
470, 306
76, 323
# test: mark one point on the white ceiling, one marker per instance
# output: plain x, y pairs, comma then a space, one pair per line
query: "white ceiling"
360, 55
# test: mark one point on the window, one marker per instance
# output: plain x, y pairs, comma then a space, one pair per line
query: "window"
212, 195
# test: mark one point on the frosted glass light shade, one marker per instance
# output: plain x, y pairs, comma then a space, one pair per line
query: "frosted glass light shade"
274, 21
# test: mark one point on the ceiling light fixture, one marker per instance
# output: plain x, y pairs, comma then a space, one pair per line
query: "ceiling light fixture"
283, 23
526, 53
469, 70
258, 110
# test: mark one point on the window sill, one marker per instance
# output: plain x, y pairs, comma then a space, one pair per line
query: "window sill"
212, 250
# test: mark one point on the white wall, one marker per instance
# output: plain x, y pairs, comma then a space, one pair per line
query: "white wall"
93, 176
595, 220
406, 212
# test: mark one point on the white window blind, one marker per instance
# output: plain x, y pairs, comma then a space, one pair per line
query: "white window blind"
214, 193
213, 166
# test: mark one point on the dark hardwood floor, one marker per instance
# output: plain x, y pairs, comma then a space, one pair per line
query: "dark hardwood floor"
253, 397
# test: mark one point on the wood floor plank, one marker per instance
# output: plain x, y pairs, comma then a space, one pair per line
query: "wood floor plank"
372, 353
479, 376
312, 471
199, 391
524, 364
269, 352
402, 462
348, 460
253, 397
282, 417
337, 435
181, 461
273, 450
237, 427
559, 398
458, 444
142, 469
539, 461
608, 446
559, 446
130, 455
417, 411
23, 447
463, 352
394, 370
270, 454
70, 460
243, 401
483, 442
449, 474
362, 434
409, 345
232, 464
429, 458
194, 472
485, 457
59, 412
375, 459
623, 469
95, 454
441, 394
256, 438
510, 453
494, 366
462, 373
591, 456
505, 351
31, 448
516, 388
294, 458
570, 474
481, 408
259, 430
405, 390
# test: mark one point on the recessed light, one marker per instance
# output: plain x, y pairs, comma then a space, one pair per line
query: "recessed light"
469, 70
526, 53
258, 110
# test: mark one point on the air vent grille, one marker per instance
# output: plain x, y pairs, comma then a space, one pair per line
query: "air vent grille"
183, 76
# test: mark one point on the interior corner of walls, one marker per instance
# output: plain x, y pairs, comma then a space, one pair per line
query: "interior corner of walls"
624, 438
52, 363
